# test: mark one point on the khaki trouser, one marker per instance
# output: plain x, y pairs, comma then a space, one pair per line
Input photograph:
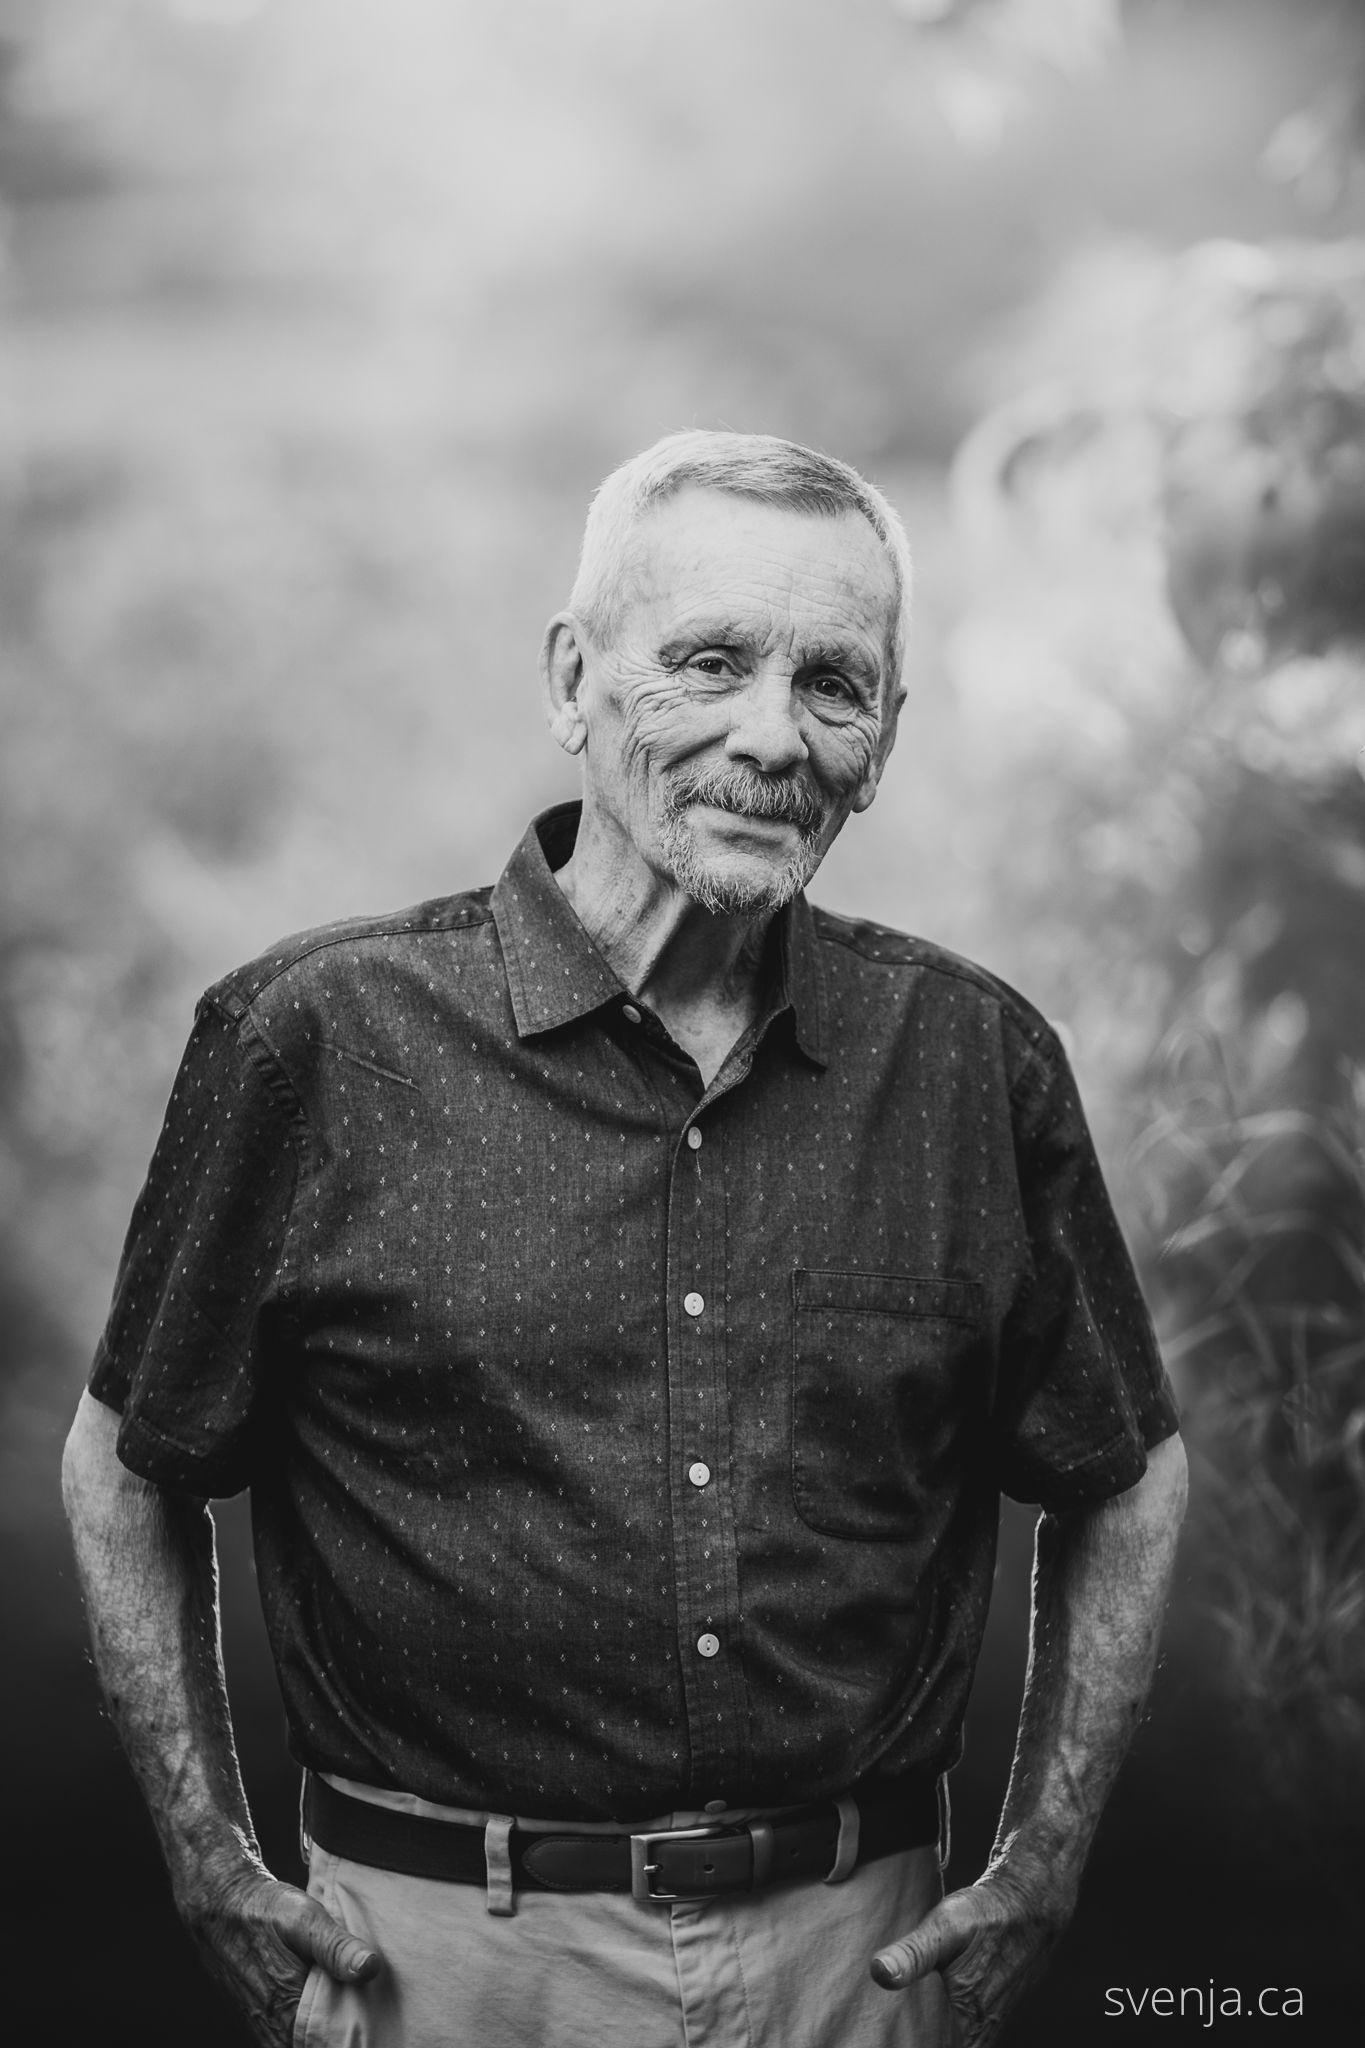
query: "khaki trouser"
785, 1968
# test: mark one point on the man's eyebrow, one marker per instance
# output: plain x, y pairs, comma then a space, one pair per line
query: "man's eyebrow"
720, 629
715, 629
841, 654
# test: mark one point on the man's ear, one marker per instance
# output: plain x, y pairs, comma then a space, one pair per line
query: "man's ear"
561, 675
867, 788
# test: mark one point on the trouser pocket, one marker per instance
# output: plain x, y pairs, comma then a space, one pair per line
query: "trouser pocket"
303, 2036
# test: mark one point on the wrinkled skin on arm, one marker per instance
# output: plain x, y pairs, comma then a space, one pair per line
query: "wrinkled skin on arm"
149, 1574
1099, 1589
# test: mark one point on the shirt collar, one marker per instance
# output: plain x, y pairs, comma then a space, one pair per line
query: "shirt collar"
556, 975
804, 979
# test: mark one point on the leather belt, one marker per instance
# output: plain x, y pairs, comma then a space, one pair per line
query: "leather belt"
661, 1864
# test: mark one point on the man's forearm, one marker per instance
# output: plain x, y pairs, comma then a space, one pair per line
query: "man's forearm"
149, 1573
1099, 1591
147, 1565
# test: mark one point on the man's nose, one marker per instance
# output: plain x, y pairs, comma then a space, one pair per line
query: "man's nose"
763, 727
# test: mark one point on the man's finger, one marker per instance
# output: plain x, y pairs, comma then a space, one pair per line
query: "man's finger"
939, 1937
313, 1934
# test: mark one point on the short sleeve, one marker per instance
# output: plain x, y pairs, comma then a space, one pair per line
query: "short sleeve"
185, 1355
1082, 1394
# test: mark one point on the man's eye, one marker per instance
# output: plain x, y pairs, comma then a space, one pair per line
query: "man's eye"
710, 664
832, 690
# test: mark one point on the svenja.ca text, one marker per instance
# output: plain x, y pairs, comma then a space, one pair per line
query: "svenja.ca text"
1204, 2002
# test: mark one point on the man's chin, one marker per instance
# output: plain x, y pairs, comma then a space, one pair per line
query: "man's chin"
738, 885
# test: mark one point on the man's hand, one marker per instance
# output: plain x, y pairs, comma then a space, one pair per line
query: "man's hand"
1099, 1587
259, 1938
147, 1564
988, 1942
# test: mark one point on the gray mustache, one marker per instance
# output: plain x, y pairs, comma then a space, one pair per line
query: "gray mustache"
751, 796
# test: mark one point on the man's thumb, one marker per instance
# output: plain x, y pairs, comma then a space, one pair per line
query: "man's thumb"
321, 1939
934, 1942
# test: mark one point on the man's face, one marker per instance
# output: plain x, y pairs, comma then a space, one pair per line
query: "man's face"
742, 708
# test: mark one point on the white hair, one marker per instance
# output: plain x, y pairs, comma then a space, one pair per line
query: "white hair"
757, 466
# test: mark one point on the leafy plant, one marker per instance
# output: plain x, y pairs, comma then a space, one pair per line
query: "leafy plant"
1263, 1296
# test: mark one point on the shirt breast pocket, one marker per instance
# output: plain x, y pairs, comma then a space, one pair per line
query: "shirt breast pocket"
884, 1380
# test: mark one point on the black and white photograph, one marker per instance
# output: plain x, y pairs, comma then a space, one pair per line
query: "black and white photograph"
682, 1022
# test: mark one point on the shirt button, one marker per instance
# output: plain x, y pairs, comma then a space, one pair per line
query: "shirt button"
630, 1013
708, 1645
694, 1304
699, 1474
694, 1138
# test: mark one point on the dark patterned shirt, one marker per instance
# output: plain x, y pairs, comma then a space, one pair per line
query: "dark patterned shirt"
617, 1443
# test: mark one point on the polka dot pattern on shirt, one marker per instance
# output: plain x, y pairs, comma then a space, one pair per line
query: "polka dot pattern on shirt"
428, 1258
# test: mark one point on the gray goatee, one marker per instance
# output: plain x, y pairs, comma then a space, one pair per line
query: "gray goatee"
753, 796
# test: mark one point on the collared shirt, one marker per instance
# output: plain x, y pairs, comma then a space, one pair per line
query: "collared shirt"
619, 1443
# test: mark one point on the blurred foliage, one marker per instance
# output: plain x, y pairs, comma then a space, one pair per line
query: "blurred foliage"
1206, 940
1265, 469
98, 781
985, 56
1263, 1286
180, 631
1317, 148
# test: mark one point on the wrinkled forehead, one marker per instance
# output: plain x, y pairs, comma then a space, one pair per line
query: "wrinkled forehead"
714, 553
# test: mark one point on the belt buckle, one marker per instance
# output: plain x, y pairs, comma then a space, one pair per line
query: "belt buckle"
641, 1868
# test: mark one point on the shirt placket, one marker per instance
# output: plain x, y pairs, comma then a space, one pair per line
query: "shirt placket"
701, 1483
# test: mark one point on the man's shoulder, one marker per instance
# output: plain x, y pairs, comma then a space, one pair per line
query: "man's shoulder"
915, 966
329, 951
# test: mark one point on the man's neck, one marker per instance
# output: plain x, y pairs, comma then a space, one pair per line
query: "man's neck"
700, 973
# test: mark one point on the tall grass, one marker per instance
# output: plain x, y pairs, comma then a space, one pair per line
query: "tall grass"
1260, 1289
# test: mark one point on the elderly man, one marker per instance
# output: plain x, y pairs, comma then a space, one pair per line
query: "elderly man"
627, 1294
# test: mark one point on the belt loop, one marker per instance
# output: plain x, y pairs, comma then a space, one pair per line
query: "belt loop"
945, 1823
498, 1856
305, 1839
761, 1835
846, 1853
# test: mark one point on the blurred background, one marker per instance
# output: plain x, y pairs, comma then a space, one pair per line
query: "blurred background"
319, 320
